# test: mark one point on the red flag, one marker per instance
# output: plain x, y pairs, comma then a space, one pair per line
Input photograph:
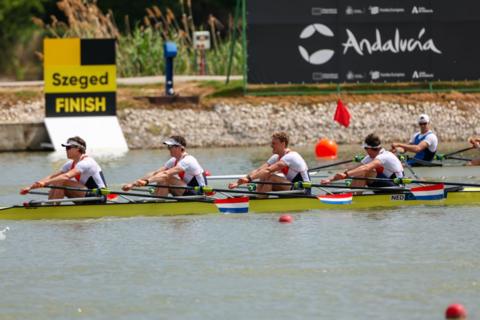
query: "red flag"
342, 115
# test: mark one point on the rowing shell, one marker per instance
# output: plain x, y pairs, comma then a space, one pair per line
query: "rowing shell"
468, 196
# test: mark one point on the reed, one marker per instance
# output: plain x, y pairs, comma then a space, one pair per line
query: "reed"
140, 50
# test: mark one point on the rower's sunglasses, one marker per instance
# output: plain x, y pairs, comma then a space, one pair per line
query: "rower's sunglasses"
422, 123
70, 147
173, 146
366, 148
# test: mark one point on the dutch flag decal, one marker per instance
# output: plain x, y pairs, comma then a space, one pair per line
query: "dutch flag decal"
341, 198
431, 192
232, 205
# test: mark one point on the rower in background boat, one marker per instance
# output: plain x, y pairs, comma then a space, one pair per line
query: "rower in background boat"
80, 171
283, 160
424, 143
475, 141
379, 163
181, 170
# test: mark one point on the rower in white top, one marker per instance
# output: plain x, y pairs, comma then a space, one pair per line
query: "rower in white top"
283, 161
181, 170
379, 163
80, 171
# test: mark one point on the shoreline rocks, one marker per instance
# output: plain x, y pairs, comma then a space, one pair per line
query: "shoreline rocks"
243, 124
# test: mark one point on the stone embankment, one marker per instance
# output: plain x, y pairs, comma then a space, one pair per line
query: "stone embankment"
243, 124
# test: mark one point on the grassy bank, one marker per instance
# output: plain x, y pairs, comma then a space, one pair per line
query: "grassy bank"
212, 92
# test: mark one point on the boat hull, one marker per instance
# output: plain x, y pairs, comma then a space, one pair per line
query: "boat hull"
469, 196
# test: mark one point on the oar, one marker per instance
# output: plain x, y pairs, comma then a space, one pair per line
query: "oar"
82, 199
106, 192
440, 156
409, 167
458, 151
356, 158
306, 185
425, 163
409, 181
208, 189
459, 158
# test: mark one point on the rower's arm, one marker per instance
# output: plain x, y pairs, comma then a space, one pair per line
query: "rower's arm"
277, 166
259, 172
50, 177
62, 176
412, 147
43, 182
146, 179
255, 174
363, 169
167, 172
154, 173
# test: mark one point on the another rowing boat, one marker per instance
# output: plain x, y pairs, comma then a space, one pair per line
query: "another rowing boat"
466, 196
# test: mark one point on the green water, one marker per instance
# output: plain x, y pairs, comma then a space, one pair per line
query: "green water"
406, 263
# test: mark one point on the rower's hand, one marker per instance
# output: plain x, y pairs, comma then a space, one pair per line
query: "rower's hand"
25, 190
475, 142
37, 184
140, 183
325, 181
340, 176
127, 187
240, 181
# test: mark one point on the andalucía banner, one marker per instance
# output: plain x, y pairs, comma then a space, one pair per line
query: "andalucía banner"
80, 77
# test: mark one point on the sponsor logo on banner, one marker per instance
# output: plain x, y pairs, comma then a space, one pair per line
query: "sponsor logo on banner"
317, 76
421, 10
396, 44
349, 10
375, 75
316, 11
364, 46
320, 56
351, 76
374, 10
422, 75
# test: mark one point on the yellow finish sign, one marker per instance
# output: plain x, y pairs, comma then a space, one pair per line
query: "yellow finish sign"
80, 79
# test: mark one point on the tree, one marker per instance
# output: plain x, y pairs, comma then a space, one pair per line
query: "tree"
16, 24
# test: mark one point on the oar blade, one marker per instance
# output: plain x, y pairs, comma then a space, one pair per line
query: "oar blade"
429, 192
340, 198
232, 205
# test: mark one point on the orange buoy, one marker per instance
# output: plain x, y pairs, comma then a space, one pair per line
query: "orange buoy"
326, 149
455, 311
285, 218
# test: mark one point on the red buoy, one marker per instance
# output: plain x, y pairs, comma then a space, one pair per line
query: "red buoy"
285, 218
455, 311
207, 173
326, 149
